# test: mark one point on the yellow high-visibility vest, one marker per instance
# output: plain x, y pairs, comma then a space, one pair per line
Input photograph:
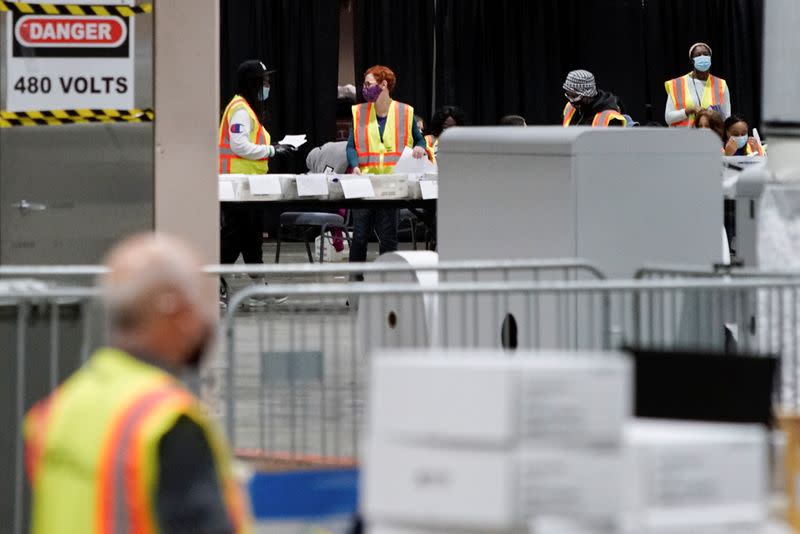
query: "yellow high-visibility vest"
431, 147
376, 155
679, 90
230, 163
601, 120
92, 448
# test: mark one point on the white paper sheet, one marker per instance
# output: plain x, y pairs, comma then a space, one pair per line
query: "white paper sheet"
408, 165
264, 184
357, 188
294, 140
429, 188
312, 185
227, 191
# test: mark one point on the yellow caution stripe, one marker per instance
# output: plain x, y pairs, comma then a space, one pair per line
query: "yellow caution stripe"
28, 8
73, 116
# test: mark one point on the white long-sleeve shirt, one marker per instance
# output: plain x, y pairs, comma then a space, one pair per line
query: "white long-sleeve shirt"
240, 141
696, 88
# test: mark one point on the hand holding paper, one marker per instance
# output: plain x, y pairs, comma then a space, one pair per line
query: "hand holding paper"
294, 140
408, 165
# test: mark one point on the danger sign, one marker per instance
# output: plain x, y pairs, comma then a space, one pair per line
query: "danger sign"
69, 61
70, 31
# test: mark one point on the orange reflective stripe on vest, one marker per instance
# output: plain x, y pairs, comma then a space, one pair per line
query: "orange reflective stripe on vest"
603, 118
431, 147
568, 113
227, 158
123, 503
376, 153
678, 89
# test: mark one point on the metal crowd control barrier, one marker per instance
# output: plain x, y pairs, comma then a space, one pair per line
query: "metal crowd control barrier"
47, 331
565, 269
290, 382
45, 334
295, 375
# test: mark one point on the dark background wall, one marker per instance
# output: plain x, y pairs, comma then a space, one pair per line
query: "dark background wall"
299, 38
491, 57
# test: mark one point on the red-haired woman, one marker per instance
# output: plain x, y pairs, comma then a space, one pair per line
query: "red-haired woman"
382, 128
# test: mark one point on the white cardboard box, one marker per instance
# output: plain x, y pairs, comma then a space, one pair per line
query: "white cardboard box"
488, 490
696, 477
485, 398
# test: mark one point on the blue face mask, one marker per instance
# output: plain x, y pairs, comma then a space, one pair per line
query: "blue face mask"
741, 140
264, 93
702, 63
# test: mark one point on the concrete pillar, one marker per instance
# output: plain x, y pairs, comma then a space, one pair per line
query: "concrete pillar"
186, 74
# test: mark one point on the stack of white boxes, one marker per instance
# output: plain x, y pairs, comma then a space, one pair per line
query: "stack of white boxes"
478, 442
690, 478
475, 442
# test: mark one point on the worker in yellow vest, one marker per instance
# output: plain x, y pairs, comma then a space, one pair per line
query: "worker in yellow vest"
696, 91
587, 105
382, 129
122, 445
245, 148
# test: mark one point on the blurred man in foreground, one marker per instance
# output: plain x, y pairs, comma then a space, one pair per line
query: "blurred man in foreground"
122, 445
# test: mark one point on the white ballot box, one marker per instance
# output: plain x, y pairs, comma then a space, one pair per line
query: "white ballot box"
464, 397
462, 441
696, 477
618, 197
490, 489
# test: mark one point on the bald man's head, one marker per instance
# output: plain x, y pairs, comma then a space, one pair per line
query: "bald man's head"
157, 296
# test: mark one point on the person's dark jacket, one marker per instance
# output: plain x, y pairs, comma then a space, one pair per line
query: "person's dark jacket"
584, 114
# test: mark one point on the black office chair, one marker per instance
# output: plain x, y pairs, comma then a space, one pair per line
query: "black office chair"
311, 224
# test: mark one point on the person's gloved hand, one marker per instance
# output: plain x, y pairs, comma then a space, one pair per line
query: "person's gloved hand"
282, 150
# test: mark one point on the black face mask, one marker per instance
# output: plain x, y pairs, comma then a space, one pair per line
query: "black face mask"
196, 355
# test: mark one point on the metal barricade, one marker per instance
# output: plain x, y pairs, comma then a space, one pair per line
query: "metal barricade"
45, 334
295, 375
48, 331
563, 269
291, 380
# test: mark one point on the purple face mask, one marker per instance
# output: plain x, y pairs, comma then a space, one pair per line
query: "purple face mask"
371, 93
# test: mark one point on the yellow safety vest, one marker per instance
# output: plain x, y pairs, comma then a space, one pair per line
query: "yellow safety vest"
601, 120
92, 448
230, 163
431, 147
376, 155
682, 95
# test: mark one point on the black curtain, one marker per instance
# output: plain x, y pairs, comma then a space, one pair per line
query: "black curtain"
496, 57
400, 36
299, 38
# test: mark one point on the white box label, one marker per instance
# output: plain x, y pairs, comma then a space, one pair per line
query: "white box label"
312, 185
357, 188
264, 184
429, 189
227, 191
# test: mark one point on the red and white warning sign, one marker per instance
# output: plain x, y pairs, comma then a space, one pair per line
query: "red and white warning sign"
36, 31
69, 61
